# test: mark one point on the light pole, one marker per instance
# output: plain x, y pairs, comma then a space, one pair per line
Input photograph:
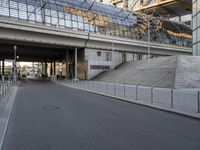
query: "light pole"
14, 74
148, 51
112, 54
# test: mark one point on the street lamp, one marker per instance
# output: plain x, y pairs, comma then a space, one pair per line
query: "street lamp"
148, 51
112, 54
14, 74
113, 48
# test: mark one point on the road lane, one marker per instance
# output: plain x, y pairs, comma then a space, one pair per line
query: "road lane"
47, 116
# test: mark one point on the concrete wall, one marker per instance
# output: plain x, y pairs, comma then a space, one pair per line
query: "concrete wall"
144, 93
91, 55
130, 92
186, 100
103, 87
111, 89
183, 100
162, 96
120, 90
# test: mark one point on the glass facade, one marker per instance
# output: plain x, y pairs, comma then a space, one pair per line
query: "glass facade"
96, 17
196, 27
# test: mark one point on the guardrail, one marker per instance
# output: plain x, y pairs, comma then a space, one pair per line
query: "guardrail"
5, 88
184, 100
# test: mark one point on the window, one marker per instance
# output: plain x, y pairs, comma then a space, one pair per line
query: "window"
98, 53
108, 56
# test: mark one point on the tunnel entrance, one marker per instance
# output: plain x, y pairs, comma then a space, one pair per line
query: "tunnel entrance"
47, 61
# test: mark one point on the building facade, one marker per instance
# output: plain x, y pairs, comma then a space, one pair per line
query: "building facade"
196, 27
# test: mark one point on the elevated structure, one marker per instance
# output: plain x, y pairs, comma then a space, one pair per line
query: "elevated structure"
196, 27
164, 7
88, 37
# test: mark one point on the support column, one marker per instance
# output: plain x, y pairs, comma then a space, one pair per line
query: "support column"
3, 65
42, 67
0, 68
75, 72
45, 67
54, 67
15, 64
51, 68
66, 63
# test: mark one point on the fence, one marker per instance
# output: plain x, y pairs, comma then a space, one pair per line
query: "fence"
185, 100
5, 88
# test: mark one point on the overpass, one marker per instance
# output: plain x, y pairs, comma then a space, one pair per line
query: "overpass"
89, 53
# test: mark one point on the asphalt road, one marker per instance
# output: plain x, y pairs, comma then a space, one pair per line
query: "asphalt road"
47, 116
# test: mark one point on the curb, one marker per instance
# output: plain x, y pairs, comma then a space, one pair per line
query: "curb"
5, 116
140, 102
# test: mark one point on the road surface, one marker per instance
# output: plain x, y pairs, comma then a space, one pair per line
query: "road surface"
48, 116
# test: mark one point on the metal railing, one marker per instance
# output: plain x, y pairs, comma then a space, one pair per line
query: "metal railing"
184, 100
5, 88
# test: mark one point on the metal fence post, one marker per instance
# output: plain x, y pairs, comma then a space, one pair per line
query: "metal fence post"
152, 95
172, 98
136, 92
124, 90
106, 88
114, 89
198, 102
99, 86
1, 92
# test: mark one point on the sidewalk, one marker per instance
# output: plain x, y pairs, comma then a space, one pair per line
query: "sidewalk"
5, 111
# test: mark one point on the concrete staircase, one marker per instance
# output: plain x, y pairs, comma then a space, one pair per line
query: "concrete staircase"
160, 73
166, 72
188, 72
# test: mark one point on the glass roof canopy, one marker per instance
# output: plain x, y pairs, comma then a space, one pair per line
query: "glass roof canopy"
92, 16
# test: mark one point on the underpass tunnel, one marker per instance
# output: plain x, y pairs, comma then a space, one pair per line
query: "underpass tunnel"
59, 62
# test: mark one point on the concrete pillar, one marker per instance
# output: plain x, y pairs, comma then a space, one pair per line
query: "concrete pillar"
51, 68
45, 67
3, 65
75, 72
0, 68
54, 67
66, 63
42, 68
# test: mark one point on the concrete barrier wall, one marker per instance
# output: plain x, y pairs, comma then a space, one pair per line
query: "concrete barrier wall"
180, 99
130, 92
119, 90
103, 88
82, 84
186, 100
111, 89
86, 85
144, 93
97, 86
162, 96
92, 86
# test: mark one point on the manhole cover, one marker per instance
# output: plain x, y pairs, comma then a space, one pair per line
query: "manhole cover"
51, 107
